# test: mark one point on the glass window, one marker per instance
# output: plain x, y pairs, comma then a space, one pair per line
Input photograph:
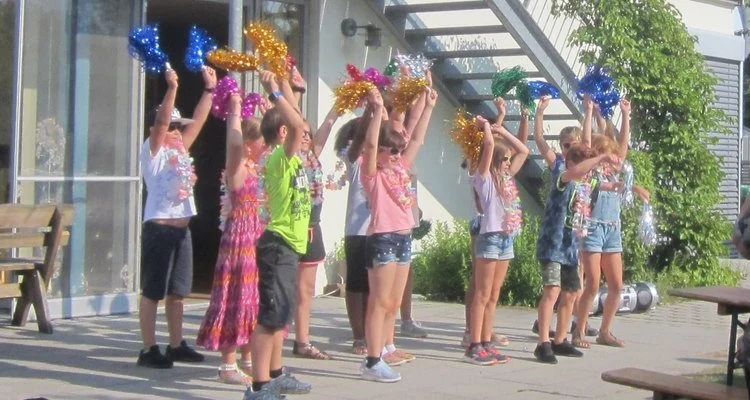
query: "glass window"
288, 18
8, 10
101, 255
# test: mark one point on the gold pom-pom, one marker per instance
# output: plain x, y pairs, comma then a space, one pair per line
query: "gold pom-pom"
232, 60
465, 132
407, 90
350, 94
271, 50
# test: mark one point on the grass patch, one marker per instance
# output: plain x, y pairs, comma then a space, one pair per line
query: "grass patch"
718, 375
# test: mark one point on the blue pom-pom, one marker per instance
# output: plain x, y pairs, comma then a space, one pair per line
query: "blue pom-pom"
601, 87
541, 88
144, 45
199, 45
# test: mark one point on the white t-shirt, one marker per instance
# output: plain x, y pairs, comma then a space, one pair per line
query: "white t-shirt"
357, 207
169, 180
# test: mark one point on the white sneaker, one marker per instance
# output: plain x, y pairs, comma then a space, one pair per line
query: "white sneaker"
413, 329
380, 372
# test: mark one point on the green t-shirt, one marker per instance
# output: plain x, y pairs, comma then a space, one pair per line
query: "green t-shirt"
288, 194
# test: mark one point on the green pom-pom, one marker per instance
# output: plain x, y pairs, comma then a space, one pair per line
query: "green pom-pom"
505, 80
391, 68
523, 94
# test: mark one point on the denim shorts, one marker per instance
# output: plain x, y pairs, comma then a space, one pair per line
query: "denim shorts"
603, 237
494, 246
386, 248
564, 276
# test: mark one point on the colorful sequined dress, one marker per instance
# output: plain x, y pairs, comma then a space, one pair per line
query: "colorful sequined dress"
233, 310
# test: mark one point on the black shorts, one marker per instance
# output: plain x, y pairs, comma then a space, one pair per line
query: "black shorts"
316, 250
277, 281
166, 261
355, 250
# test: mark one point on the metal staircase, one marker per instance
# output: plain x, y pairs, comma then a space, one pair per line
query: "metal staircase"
470, 41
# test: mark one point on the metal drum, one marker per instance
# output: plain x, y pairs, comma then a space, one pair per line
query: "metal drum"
647, 296
628, 299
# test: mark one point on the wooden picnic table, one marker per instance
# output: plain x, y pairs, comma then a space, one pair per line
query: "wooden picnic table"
730, 301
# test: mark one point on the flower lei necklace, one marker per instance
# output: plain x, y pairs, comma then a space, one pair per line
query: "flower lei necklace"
399, 185
182, 165
314, 172
332, 181
582, 206
225, 201
512, 218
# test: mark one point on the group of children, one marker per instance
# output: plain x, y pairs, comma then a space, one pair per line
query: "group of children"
271, 242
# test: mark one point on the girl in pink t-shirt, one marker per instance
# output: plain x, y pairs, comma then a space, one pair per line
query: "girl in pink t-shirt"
501, 158
386, 159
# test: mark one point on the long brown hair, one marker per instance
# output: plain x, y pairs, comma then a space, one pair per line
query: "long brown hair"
496, 165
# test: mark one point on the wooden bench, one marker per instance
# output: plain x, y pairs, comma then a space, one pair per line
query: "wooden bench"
43, 229
667, 386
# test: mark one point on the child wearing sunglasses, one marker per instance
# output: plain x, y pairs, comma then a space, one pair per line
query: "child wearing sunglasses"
496, 189
386, 159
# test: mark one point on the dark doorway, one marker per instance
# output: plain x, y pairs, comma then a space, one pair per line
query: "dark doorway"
175, 18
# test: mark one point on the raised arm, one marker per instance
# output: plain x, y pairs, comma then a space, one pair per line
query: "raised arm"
601, 123
501, 110
298, 86
370, 146
488, 147
415, 113
294, 123
523, 127
200, 114
324, 131
235, 148
584, 167
291, 98
164, 113
520, 151
588, 112
547, 153
624, 139
417, 137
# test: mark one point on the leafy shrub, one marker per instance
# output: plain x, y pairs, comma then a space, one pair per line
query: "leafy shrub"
649, 51
443, 268
523, 284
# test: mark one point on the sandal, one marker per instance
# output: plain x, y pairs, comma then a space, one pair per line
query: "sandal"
500, 340
246, 367
307, 350
359, 347
580, 342
611, 340
233, 376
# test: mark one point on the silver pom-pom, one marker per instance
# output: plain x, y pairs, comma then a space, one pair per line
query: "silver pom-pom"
647, 226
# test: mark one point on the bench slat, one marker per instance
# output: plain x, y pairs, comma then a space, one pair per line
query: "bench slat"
17, 265
25, 216
25, 239
672, 384
9, 290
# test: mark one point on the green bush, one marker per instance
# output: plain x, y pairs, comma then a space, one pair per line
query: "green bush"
442, 268
649, 51
636, 267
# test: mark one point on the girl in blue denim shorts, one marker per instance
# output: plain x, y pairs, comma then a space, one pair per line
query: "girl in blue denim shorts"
602, 245
493, 250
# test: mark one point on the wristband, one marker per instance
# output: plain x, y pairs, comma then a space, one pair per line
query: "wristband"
275, 95
208, 90
299, 89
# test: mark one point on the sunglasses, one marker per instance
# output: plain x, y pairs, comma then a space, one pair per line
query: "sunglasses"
176, 126
506, 159
566, 145
394, 150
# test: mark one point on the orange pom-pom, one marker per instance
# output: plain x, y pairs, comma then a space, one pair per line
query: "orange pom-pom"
407, 90
271, 50
465, 132
350, 94
232, 60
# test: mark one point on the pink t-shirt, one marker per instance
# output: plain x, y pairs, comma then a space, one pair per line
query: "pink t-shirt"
391, 196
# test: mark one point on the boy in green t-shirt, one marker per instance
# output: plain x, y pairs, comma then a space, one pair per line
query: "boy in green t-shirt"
279, 247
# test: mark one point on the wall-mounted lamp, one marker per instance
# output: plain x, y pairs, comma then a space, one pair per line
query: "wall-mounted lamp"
349, 28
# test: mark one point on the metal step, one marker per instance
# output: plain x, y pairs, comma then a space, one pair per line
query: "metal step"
435, 7
469, 76
442, 55
455, 30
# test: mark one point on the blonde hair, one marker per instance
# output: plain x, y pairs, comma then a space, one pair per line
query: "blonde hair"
572, 132
250, 129
603, 144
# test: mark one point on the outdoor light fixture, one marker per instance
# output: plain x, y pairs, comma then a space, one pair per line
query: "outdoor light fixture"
349, 28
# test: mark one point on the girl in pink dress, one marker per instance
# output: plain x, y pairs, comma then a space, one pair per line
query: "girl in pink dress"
233, 309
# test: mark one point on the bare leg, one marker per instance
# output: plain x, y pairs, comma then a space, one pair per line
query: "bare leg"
278, 347
305, 290
174, 307
546, 307
484, 272
379, 303
500, 270
564, 311
612, 267
356, 308
591, 262
403, 274
406, 297
147, 321
262, 348
470, 292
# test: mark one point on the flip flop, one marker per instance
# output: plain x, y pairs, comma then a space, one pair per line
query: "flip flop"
581, 343
611, 341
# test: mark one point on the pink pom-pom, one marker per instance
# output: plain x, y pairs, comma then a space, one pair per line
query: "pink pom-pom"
249, 104
225, 88
379, 80
354, 72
